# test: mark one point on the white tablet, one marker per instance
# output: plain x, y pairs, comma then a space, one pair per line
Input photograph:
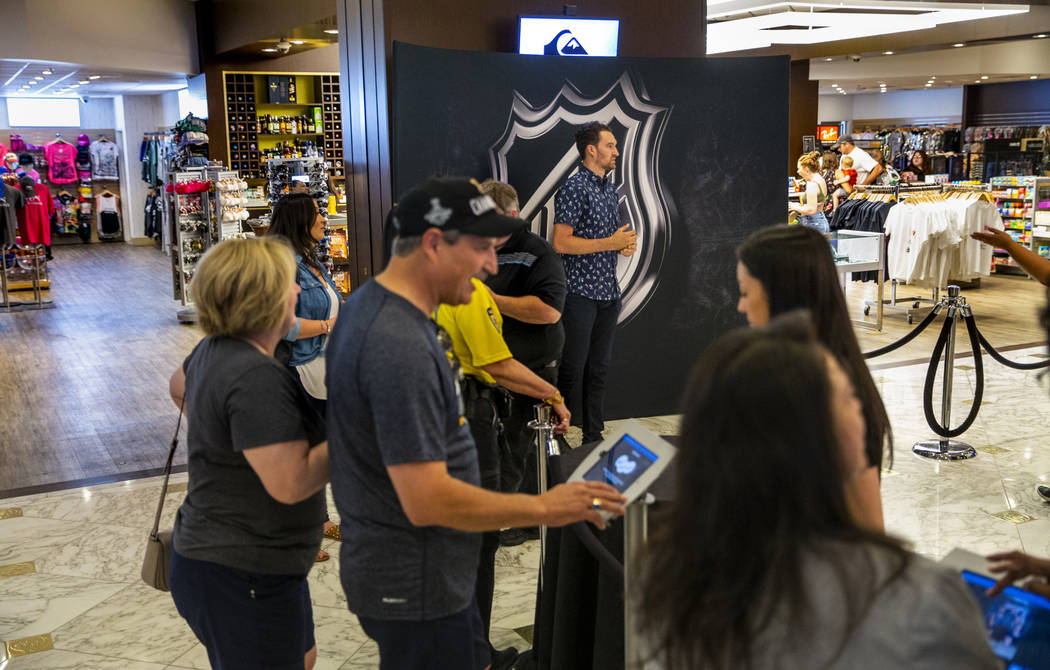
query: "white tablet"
630, 459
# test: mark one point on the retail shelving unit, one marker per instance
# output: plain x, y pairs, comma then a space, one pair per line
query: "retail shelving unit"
192, 235
1019, 199
230, 206
242, 125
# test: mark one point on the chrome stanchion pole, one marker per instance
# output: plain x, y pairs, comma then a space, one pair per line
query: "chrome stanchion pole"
635, 533
3, 278
545, 446
945, 449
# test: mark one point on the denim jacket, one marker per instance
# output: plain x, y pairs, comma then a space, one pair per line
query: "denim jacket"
313, 304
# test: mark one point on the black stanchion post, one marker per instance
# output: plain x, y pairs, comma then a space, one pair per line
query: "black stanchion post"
545, 446
945, 449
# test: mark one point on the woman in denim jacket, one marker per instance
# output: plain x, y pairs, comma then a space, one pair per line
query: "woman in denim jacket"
297, 218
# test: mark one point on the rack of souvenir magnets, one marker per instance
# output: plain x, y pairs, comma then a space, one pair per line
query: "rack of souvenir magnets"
191, 214
27, 268
283, 175
231, 201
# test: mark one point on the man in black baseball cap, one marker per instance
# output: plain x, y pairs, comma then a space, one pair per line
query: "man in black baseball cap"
404, 467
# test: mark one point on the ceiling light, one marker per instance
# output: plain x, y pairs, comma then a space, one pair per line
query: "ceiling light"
332, 32
1039, 36
39, 78
978, 81
887, 53
95, 76
929, 85
297, 42
74, 85
984, 76
958, 44
828, 60
1034, 76
47, 72
930, 81
84, 81
270, 50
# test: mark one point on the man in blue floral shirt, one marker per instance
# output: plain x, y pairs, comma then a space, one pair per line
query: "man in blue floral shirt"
588, 235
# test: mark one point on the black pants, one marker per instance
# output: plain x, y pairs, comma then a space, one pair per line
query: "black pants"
589, 329
518, 468
484, 407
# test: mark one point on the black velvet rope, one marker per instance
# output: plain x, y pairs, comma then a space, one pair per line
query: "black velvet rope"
907, 338
931, 375
1007, 362
598, 550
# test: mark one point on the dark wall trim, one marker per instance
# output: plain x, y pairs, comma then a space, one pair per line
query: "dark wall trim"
1014, 103
366, 130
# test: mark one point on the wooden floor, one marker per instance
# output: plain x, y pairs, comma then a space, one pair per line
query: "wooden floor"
83, 386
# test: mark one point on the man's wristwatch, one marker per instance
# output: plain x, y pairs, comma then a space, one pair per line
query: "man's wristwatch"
555, 399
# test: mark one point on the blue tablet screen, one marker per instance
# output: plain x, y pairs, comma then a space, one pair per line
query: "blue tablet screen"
622, 464
1018, 624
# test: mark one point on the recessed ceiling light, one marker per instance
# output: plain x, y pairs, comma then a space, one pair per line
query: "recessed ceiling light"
1034, 77
74, 86
887, 53
332, 32
828, 60
297, 42
84, 81
1039, 36
984, 76
958, 44
47, 72
834, 86
977, 81
929, 85
270, 50
95, 76
930, 81
39, 78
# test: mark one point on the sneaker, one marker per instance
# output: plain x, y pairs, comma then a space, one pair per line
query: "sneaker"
515, 536
504, 659
1043, 491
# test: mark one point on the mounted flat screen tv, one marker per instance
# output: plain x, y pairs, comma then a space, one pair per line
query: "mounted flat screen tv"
567, 36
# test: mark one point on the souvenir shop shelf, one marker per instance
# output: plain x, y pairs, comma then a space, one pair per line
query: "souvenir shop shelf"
1024, 203
193, 234
282, 115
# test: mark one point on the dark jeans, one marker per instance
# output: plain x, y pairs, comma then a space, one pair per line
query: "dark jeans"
518, 468
244, 620
454, 642
483, 407
590, 326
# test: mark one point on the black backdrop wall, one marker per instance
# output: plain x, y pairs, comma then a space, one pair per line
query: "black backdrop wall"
701, 143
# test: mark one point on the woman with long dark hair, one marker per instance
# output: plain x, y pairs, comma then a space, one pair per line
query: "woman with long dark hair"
784, 268
758, 562
297, 218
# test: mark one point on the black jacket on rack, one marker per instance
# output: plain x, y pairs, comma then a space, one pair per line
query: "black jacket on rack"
865, 216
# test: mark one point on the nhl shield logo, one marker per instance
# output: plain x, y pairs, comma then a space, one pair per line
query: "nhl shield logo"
537, 153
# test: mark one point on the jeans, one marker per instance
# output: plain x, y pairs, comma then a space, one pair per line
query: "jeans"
590, 326
818, 221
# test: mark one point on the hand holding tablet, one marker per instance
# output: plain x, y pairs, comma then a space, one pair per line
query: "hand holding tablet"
575, 501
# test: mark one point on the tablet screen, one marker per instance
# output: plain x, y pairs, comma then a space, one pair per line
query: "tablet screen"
622, 464
1017, 622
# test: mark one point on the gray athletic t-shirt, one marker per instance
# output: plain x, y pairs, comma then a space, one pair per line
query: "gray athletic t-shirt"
393, 399
238, 398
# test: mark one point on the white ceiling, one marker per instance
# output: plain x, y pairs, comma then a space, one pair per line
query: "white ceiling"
65, 78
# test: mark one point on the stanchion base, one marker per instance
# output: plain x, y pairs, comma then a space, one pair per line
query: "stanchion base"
187, 315
944, 450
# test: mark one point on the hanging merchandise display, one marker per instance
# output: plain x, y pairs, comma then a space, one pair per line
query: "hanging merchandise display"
288, 175
191, 205
230, 203
68, 207
1024, 204
107, 204
154, 211
191, 143
86, 213
11, 202
34, 221
104, 158
83, 159
61, 162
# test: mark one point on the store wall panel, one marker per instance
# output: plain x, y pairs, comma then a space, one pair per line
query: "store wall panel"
1009, 103
153, 36
692, 174
137, 114
802, 114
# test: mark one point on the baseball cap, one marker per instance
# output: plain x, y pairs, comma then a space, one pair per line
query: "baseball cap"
844, 138
451, 203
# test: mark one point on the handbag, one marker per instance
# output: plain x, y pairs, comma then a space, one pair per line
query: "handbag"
156, 563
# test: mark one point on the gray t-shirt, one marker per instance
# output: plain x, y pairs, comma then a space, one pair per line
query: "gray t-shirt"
238, 398
926, 619
393, 399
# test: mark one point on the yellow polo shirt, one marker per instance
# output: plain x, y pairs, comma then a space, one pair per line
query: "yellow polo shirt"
477, 332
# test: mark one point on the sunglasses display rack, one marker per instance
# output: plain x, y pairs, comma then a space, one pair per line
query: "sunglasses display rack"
281, 172
192, 235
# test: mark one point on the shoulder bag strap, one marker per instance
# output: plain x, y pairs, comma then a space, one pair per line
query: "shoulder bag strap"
167, 470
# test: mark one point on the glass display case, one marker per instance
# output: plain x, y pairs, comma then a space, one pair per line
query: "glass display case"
860, 251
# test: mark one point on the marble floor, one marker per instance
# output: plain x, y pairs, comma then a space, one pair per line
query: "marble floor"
69, 560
